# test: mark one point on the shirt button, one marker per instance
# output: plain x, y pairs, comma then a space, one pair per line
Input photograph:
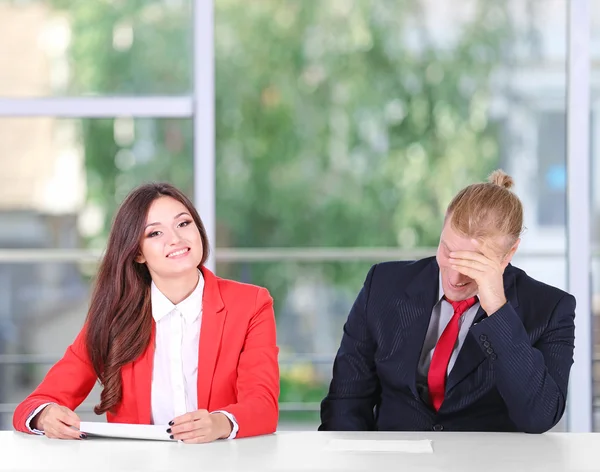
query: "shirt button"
438, 427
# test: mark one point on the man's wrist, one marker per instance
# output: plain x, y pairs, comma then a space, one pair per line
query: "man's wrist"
493, 308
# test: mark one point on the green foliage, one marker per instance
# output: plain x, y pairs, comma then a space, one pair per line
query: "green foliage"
300, 384
339, 123
155, 60
332, 131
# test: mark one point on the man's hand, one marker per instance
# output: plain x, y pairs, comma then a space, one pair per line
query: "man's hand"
486, 270
200, 427
56, 421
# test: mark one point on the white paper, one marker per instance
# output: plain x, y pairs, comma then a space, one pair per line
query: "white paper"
126, 431
380, 445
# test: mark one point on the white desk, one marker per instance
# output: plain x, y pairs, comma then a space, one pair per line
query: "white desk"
305, 451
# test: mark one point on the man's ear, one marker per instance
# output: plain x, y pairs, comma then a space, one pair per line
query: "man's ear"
509, 255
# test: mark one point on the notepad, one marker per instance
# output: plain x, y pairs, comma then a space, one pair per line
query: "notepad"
380, 445
125, 431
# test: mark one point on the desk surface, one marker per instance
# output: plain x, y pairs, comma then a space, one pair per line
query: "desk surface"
307, 451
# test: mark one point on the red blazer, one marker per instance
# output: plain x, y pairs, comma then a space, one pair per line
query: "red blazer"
237, 365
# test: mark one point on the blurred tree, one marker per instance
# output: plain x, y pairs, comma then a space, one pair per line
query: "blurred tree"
339, 123
348, 123
133, 47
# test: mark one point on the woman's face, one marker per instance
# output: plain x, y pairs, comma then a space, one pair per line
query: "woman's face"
171, 244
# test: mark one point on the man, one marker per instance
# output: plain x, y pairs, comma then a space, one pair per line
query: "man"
460, 342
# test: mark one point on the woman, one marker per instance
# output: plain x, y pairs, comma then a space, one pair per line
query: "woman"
169, 341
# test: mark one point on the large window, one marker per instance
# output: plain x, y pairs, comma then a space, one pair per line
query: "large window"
341, 131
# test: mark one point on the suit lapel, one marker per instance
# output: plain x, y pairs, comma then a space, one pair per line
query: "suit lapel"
468, 359
415, 315
471, 355
211, 332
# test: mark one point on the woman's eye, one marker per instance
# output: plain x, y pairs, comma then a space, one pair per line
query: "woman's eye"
184, 223
153, 234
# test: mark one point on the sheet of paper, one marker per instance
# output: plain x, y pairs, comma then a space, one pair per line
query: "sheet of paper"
126, 431
380, 445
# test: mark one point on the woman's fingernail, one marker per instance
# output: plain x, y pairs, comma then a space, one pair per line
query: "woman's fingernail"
171, 436
83, 436
170, 423
169, 430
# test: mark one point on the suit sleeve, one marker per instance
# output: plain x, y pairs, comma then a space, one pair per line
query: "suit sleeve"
257, 410
532, 379
354, 390
67, 383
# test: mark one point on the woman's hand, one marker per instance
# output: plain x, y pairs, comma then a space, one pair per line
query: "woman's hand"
56, 422
200, 427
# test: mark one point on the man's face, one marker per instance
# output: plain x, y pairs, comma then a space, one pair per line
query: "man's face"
458, 286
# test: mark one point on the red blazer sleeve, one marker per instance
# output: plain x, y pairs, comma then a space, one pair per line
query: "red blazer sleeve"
67, 383
257, 408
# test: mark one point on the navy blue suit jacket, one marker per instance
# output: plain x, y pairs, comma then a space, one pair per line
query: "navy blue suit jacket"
510, 375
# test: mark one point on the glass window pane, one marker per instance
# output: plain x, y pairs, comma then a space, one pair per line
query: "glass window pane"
44, 307
311, 301
345, 124
61, 180
69, 47
352, 124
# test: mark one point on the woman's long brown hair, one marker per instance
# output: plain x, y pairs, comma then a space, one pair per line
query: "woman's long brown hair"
119, 321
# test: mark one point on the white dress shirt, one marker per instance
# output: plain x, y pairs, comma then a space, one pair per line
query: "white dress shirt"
175, 372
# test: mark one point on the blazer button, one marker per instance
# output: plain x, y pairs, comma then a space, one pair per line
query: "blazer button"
438, 427
493, 357
490, 350
486, 344
483, 337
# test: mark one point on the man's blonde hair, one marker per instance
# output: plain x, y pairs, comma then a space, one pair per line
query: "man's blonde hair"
488, 209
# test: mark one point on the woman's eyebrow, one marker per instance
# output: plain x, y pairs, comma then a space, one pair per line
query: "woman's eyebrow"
175, 217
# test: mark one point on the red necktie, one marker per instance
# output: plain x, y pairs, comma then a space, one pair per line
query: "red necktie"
436, 378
